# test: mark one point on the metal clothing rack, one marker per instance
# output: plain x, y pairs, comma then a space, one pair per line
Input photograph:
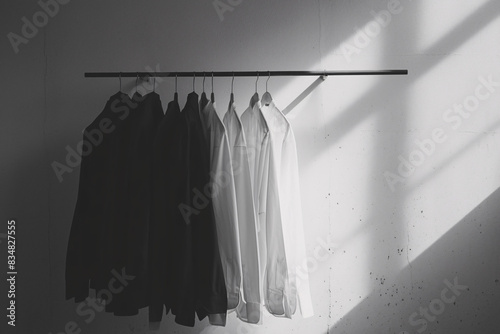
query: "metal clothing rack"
243, 73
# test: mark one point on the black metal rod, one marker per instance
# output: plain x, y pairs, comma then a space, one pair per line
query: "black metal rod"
242, 73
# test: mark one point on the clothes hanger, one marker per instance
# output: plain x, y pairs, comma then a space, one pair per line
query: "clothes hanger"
212, 96
136, 79
176, 95
267, 98
120, 78
231, 97
154, 83
194, 77
255, 96
203, 99
203, 84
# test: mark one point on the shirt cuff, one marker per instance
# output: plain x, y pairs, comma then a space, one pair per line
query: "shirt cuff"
218, 319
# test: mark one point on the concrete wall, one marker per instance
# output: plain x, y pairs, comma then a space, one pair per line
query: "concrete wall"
399, 175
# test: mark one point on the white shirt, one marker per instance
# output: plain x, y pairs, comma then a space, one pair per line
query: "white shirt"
267, 204
249, 308
285, 156
224, 204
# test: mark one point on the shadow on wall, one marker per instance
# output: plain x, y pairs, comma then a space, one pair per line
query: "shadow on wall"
448, 284
354, 114
383, 310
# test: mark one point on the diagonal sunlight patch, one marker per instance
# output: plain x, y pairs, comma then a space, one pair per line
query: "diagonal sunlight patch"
432, 217
451, 159
452, 41
436, 20
465, 254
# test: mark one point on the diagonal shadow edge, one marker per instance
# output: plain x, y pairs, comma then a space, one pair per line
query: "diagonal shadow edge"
353, 114
441, 167
468, 251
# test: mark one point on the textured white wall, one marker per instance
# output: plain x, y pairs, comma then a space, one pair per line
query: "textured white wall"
392, 249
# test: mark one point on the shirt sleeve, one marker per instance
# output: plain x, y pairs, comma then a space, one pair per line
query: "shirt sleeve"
292, 213
276, 261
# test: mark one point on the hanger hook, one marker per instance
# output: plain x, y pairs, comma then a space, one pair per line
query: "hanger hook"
194, 76
136, 79
203, 82
120, 78
212, 82
256, 81
154, 83
268, 77
176, 82
232, 83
